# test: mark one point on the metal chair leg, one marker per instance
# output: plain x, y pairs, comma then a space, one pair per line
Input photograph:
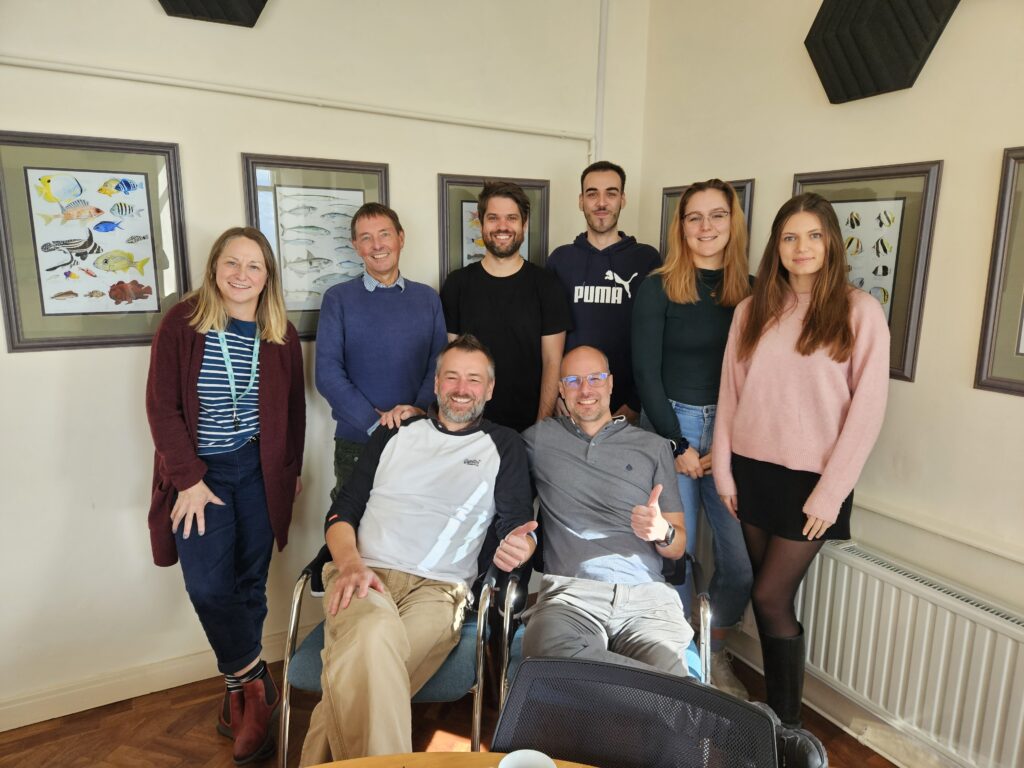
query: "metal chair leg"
478, 689
289, 651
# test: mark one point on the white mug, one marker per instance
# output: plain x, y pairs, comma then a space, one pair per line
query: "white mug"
526, 758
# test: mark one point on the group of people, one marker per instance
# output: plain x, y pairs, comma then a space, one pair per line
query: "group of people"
625, 394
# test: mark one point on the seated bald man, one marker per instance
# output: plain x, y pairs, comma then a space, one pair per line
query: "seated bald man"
610, 512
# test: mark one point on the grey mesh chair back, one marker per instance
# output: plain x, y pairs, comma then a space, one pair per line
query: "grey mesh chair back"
611, 716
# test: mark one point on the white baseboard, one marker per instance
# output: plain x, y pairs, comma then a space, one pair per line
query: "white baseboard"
98, 690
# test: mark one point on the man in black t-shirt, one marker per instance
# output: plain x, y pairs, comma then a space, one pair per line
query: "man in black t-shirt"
517, 309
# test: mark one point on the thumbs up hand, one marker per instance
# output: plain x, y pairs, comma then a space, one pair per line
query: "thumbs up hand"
646, 519
516, 548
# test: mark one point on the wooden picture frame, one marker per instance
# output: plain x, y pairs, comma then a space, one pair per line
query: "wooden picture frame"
304, 206
1001, 349
887, 215
670, 199
457, 196
92, 242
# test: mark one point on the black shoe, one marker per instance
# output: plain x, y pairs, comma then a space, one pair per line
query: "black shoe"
796, 747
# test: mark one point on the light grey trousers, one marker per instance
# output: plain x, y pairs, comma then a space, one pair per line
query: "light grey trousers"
638, 625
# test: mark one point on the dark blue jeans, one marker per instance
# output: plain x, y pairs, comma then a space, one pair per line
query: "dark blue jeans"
225, 569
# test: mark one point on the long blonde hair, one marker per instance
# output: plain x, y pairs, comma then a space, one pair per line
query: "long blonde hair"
679, 274
210, 313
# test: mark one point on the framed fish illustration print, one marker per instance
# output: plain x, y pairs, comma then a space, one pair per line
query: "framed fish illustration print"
670, 197
305, 206
1001, 351
461, 239
92, 245
887, 217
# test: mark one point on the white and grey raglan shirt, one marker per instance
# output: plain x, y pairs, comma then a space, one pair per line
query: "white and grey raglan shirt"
422, 498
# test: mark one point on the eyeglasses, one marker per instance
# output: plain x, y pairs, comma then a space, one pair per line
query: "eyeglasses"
697, 219
593, 379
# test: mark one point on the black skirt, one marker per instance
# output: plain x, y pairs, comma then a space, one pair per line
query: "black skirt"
772, 497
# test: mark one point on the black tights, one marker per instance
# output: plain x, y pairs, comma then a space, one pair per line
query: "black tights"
779, 566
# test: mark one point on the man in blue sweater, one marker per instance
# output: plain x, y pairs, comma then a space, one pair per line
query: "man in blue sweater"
600, 272
376, 341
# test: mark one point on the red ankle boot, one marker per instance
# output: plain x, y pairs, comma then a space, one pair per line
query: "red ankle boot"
254, 740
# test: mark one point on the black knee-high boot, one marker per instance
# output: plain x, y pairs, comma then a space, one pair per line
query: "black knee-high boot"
784, 675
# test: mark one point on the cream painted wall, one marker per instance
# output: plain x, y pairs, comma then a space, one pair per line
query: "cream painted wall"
733, 94
87, 617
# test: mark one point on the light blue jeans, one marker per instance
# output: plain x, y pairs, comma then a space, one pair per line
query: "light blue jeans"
731, 583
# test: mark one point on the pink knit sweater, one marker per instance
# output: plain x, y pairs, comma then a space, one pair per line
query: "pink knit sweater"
804, 412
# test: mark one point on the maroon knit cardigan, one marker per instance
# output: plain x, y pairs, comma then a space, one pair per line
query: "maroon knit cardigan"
172, 405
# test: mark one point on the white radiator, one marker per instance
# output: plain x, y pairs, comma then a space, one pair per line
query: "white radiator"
930, 659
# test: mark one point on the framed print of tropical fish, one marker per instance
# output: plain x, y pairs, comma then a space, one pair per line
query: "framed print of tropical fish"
670, 197
887, 217
93, 244
871, 235
1001, 352
459, 227
305, 206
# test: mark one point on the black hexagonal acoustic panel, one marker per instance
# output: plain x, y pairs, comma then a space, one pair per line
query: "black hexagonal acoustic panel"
242, 13
862, 48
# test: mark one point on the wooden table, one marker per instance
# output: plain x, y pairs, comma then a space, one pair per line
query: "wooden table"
434, 760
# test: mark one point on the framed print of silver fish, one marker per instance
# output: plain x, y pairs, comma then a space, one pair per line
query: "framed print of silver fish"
94, 253
305, 208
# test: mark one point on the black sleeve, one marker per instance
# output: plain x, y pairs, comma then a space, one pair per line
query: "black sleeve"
450, 301
513, 500
349, 505
554, 308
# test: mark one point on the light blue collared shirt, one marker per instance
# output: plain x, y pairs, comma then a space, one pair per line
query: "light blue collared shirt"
371, 285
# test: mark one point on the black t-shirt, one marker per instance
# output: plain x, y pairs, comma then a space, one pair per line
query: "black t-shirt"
509, 315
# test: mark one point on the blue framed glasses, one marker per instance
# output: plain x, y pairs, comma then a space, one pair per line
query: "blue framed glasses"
593, 379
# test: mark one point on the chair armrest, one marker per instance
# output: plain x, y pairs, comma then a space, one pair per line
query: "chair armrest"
314, 570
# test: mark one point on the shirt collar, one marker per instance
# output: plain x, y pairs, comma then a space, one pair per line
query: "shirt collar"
371, 285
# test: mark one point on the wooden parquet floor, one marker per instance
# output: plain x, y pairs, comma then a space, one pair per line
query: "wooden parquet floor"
175, 729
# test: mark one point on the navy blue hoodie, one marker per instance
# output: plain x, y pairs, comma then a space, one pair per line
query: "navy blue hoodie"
600, 287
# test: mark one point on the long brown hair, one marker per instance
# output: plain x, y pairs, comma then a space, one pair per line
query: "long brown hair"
210, 314
827, 322
678, 273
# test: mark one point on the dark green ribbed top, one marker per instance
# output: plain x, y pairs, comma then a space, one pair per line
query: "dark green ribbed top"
678, 349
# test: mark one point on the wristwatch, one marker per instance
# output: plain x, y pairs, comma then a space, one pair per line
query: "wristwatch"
669, 537
678, 449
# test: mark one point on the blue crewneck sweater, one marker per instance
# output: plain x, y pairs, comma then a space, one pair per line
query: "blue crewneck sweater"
375, 350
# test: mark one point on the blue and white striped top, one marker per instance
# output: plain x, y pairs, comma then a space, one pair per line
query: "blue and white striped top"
217, 432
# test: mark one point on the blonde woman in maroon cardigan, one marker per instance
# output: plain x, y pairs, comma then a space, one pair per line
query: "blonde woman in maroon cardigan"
227, 409
804, 386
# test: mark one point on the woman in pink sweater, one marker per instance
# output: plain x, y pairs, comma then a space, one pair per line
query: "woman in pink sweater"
804, 385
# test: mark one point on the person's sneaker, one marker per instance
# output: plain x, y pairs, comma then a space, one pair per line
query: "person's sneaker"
723, 678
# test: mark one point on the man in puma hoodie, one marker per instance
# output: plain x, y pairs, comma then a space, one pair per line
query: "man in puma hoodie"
600, 272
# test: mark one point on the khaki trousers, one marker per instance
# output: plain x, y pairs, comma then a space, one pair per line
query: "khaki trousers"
377, 654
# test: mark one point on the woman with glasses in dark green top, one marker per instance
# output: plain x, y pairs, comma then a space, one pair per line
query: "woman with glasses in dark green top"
681, 323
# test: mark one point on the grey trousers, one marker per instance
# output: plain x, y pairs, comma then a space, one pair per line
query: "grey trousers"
638, 625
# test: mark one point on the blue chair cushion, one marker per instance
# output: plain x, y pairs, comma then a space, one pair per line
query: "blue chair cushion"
458, 673
515, 656
450, 683
306, 665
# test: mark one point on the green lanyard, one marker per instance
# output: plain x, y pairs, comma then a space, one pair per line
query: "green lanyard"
231, 374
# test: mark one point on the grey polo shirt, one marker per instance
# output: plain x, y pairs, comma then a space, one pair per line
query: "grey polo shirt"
588, 488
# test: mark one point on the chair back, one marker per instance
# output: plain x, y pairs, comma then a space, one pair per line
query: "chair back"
622, 717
